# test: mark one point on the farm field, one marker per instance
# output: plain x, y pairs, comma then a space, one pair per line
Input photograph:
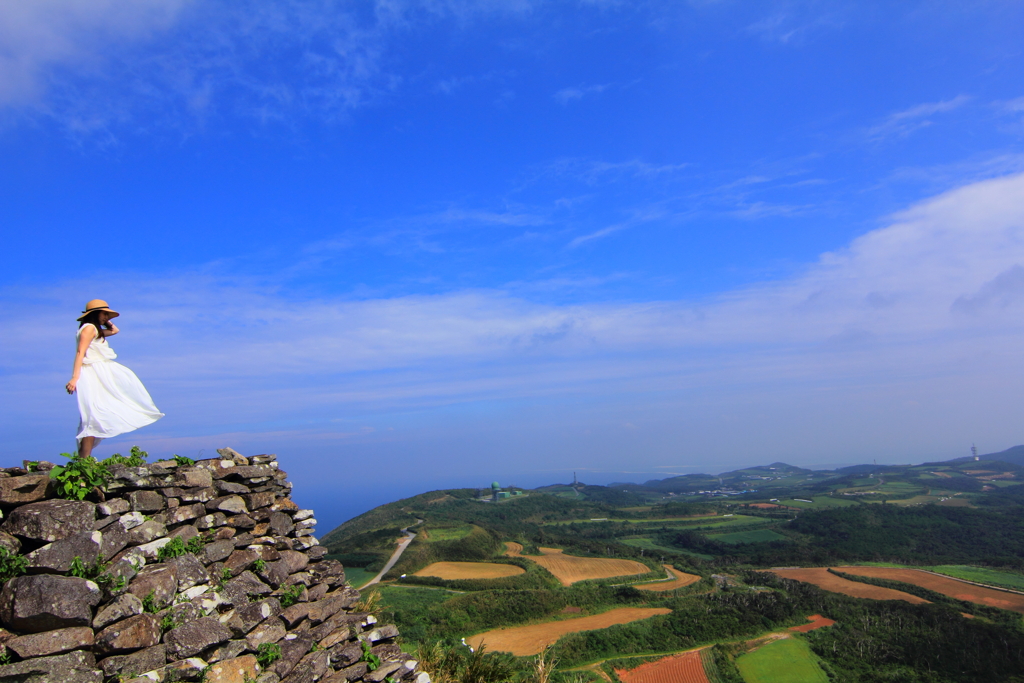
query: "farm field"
946, 586
447, 533
357, 576
648, 544
820, 577
755, 536
569, 569
451, 571
819, 502
682, 668
816, 621
659, 520
681, 581
524, 641
788, 660
982, 575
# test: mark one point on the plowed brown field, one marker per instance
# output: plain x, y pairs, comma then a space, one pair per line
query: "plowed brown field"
945, 585
569, 569
513, 549
529, 640
682, 579
682, 668
451, 571
820, 577
817, 621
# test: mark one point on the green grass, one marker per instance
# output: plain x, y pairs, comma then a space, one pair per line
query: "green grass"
453, 533
648, 544
755, 536
782, 661
819, 503
982, 575
357, 576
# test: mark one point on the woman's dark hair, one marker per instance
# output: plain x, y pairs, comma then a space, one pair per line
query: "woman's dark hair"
94, 319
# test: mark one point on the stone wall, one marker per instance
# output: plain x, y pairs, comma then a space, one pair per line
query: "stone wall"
191, 568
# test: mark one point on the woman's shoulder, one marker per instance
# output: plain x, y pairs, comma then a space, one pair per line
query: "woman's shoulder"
95, 330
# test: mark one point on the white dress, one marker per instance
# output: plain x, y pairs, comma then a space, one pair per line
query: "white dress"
111, 399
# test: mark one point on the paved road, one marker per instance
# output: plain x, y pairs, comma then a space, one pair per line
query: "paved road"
402, 545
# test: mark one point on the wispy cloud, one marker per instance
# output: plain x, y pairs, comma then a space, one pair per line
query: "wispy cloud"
925, 307
567, 95
905, 122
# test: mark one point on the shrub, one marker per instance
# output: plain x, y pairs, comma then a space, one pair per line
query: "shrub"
291, 595
176, 548
79, 477
267, 654
183, 461
11, 565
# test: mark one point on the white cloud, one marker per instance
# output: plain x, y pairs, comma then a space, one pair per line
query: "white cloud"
927, 306
904, 122
567, 95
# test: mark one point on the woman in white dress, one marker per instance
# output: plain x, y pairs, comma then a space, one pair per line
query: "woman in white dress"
111, 399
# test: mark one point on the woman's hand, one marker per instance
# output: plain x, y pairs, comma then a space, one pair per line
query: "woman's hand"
70, 386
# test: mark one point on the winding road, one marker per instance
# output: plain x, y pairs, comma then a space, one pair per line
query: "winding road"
402, 545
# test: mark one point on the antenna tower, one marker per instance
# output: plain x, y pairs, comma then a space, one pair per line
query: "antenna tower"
974, 452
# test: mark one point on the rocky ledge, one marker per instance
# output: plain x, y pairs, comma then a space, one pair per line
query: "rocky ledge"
179, 571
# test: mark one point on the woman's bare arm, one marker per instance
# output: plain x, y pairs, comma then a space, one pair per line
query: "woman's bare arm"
110, 330
88, 334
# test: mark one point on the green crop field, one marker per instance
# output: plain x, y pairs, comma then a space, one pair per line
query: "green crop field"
782, 661
819, 502
648, 544
357, 576
452, 533
755, 536
982, 575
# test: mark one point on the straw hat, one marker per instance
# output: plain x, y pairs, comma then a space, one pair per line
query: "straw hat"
97, 305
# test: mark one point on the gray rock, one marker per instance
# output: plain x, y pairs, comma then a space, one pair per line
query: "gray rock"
351, 673
270, 631
183, 513
275, 573
210, 521
51, 520
191, 571
135, 663
186, 532
242, 521
295, 561
51, 642
198, 495
26, 489
228, 650
183, 613
245, 618
193, 477
190, 669
133, 633
160, 580
281, 524
255, 501
310, 668
146, 532
115, 538
193, 638
114, 506
58, 556
238, 589
230, 487
12, 544
103, 522
322, 610
74, 667
316, 553
291, 652
381, 673
46, 602
218, 550
239, 561
233, 504
146, 501
122, 607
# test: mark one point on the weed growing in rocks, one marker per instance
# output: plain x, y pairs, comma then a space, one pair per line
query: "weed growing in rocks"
259, 565
79, 477
149, 603
267, 654
290, 596
176, 548
11, 565
84, 571
183, 461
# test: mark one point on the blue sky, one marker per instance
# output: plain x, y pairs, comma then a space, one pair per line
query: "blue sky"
413, 244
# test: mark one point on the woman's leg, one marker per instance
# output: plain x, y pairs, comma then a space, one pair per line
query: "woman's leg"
85, 446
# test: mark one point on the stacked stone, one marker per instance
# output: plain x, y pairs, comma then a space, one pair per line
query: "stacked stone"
200, 615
